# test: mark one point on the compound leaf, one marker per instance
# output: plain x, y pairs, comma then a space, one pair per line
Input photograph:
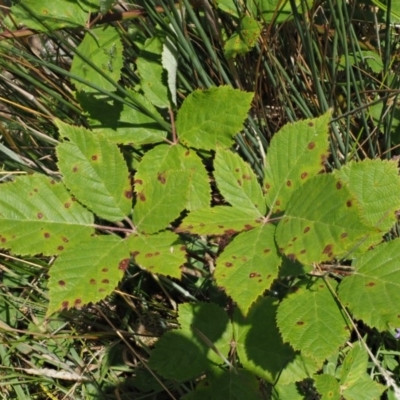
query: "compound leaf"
310, 320
87, 272
168, 180
321, 221
237, 182
212, 117
376, 186
39, 215
304, 145
248, 265
188, 352
220, 220
163, 253
372, 293
95, 171
103, 47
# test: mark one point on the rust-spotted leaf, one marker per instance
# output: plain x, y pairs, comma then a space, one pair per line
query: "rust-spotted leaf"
310, 320
297, 152
95, 171
39, 215
87, 273
321, 222
168, 180
248, 265
163, 253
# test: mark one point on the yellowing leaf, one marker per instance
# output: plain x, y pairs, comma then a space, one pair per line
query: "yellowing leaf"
163, 253
38, 215
248, 265
168, 180
376, 186
322, 221
87, 272
95, 171
297, 153
237, 182
212, 117
220, 221
372, 293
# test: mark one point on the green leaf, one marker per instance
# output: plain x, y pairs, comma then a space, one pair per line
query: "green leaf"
291, 391
364, 388
185, 353
311, 321
229, 6
355, 382
168, 180
39, 215
163, 253
87, 272
248, 265
328, 387
169, 58
395, 9
379, 112
279, 10
220, 220
122, 124
89, 5
103, 47
105, 5
244, 39
152, 75
297, 153
54, 14
296, 370
370, 58
237, 182
265, 358
376, 186
95, 171
322, 221
236, 385
372, 293
354, 365
212, 117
